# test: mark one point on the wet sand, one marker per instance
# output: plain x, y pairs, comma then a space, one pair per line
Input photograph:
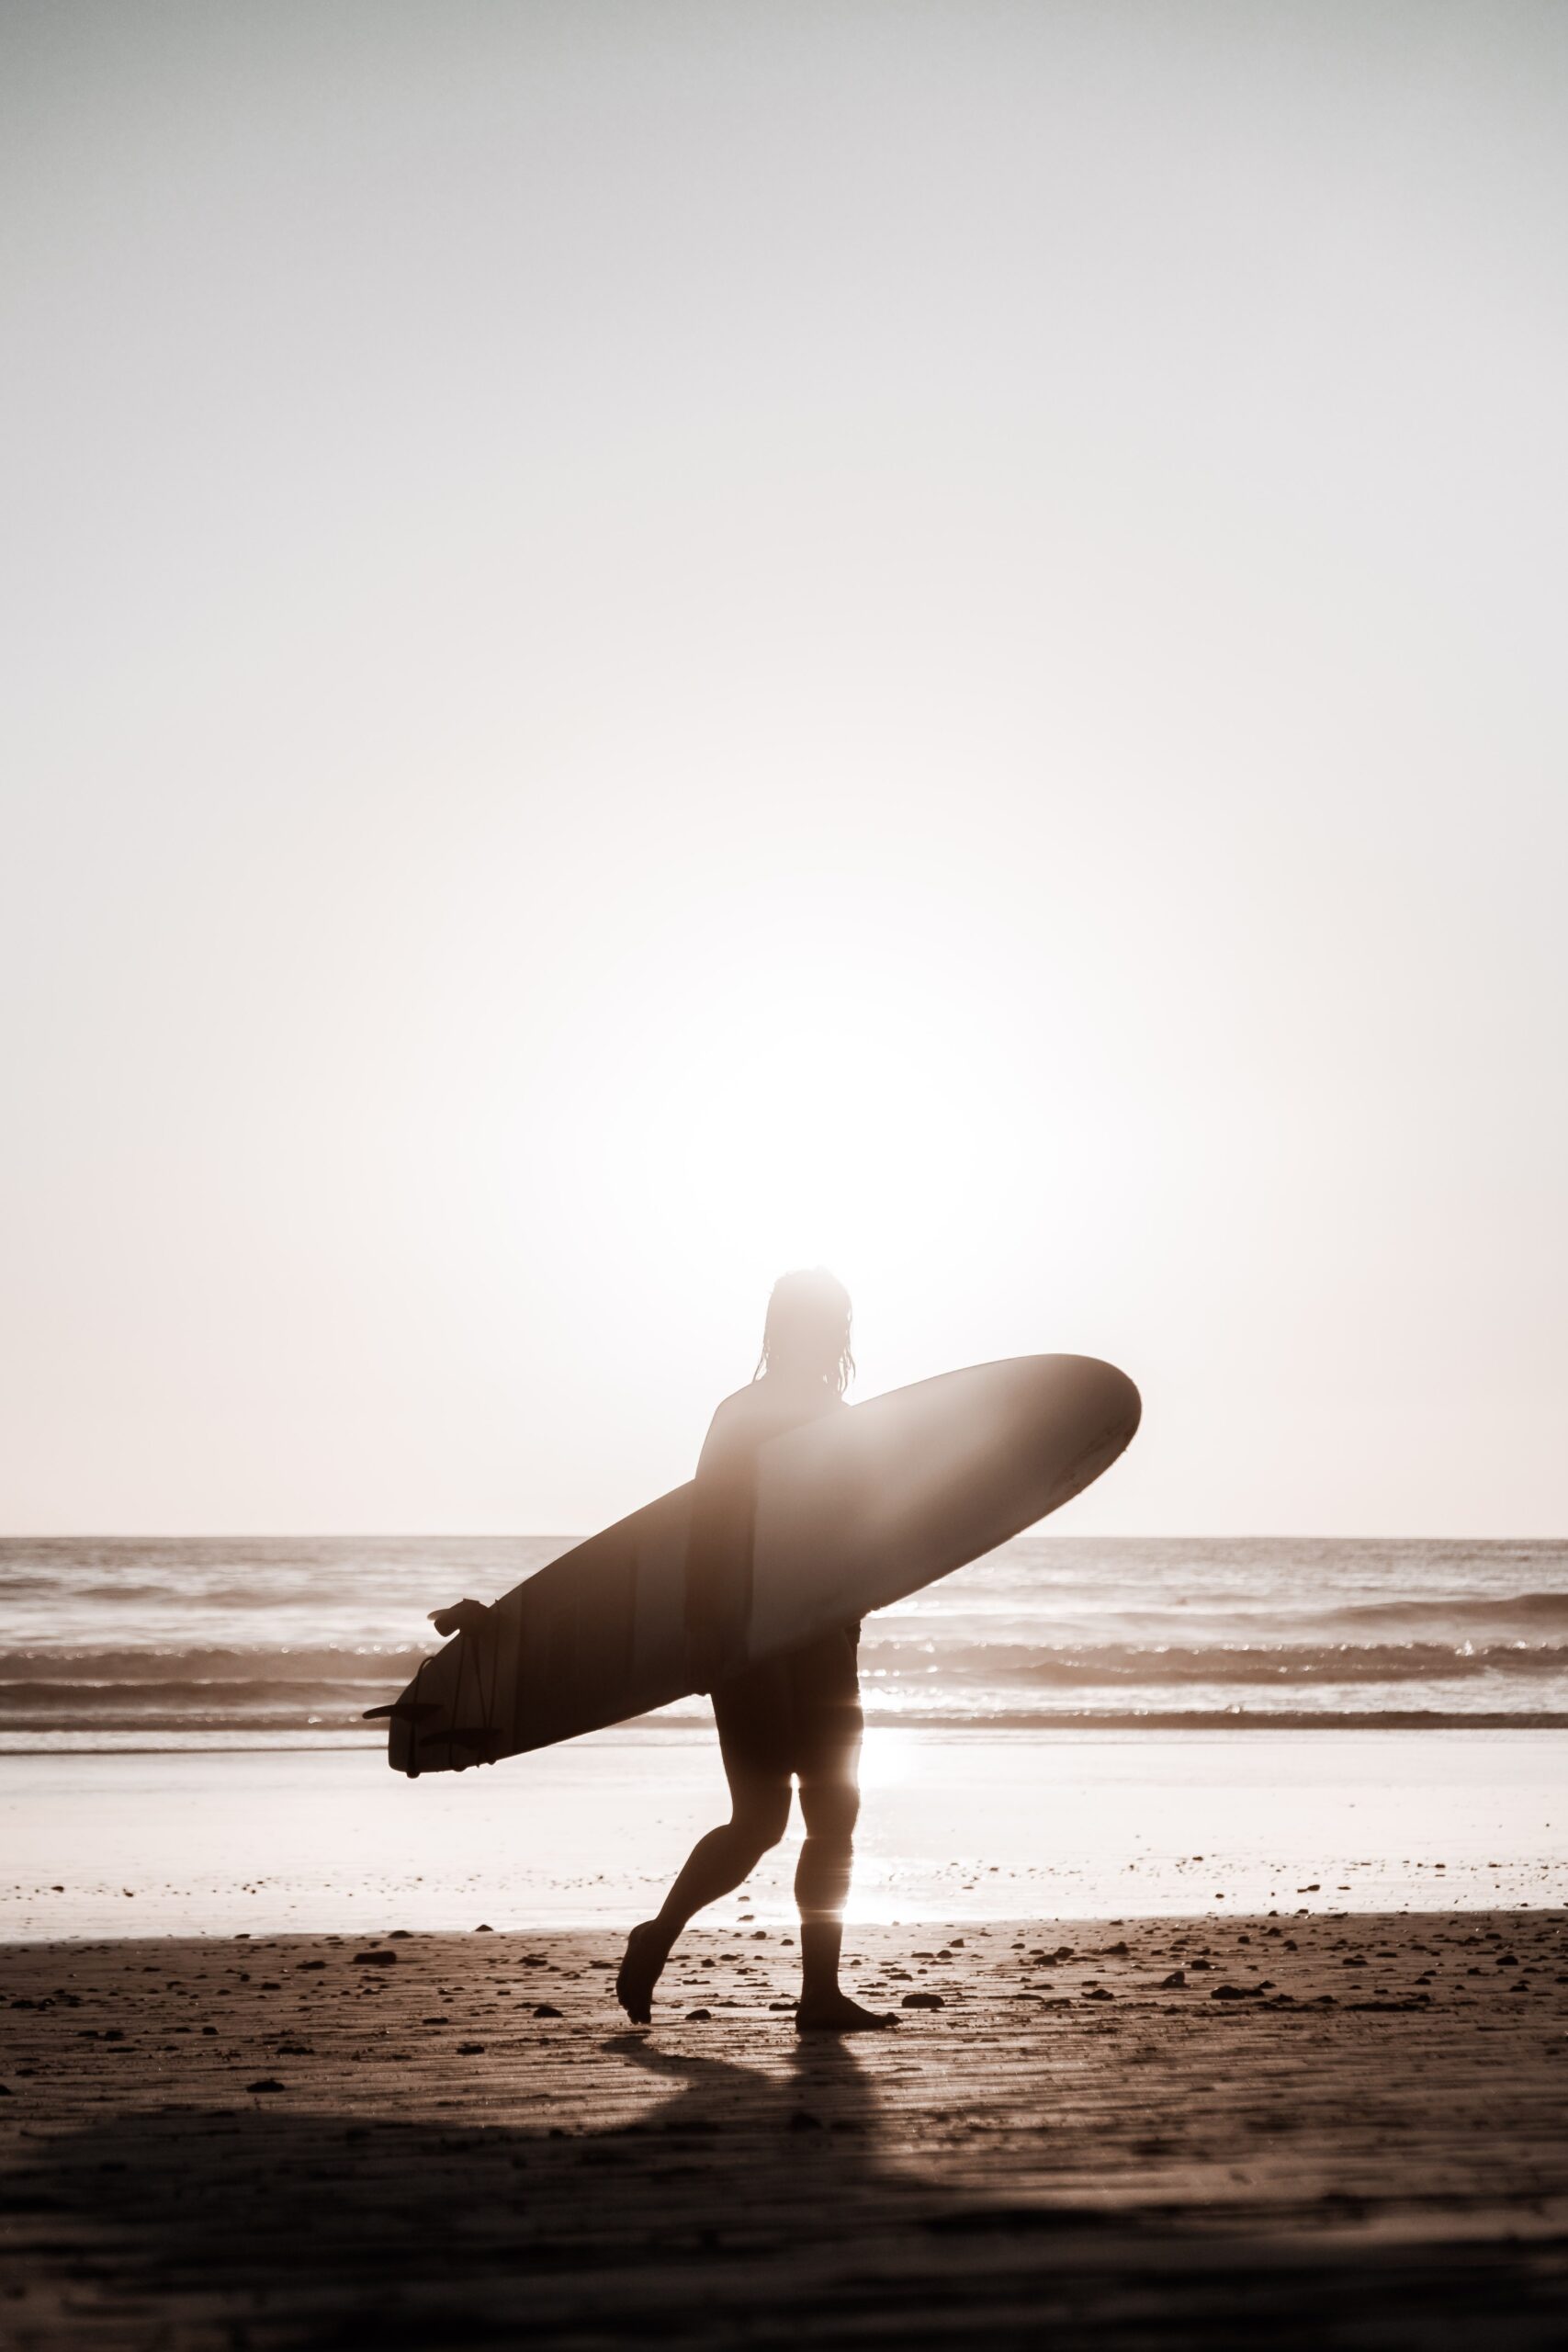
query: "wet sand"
955, 1825
1326, 2130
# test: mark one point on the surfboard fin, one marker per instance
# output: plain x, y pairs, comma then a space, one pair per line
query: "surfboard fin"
402, 1711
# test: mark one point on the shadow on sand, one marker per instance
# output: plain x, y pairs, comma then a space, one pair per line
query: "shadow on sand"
743, 2207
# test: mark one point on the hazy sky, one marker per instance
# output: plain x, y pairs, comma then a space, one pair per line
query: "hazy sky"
650, 643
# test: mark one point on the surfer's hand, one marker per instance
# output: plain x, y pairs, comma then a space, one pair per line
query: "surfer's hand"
463, 1617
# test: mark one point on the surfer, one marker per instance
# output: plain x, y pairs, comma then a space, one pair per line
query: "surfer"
795, 1717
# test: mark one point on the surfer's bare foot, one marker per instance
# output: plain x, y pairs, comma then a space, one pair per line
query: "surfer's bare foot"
836, 2013
640, 1971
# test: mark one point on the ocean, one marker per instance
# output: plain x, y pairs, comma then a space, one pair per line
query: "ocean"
154, 1645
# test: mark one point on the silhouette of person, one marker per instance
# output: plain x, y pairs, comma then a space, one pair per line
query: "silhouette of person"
794, 1717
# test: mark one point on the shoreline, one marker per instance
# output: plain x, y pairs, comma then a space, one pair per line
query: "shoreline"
1190, 2131
178, 1738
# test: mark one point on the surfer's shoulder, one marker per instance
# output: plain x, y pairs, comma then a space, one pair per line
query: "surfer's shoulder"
765, 1406
733, 1417
737, 1408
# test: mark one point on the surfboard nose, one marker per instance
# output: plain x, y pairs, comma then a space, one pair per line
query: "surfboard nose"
1094, 1394
1115, 1396
1089, 1412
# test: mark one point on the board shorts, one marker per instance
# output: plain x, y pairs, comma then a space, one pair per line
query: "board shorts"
798, 1714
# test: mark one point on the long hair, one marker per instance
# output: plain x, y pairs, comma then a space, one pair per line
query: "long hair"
807, 1324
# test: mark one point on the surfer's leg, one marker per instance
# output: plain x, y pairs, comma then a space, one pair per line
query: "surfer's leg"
830, 1809
821, 1884
828, 1712
727, 1857
752, 1713
827, 1741
716, 1866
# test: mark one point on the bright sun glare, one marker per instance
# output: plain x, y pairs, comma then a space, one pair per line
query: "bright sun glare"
847, 1118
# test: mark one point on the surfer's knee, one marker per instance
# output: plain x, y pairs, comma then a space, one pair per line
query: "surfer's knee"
762, 1818
830, 1809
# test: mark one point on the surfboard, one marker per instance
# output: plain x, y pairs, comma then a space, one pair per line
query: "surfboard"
853, 1511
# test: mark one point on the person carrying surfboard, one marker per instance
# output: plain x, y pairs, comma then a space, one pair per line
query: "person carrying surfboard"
797, 1717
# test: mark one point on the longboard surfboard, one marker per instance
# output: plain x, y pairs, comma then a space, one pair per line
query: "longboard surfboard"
853, 1511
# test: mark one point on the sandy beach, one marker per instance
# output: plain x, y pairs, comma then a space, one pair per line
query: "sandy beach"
1280, 2047
1345, 2130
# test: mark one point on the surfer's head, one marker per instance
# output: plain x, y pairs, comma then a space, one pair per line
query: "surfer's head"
806, 1334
